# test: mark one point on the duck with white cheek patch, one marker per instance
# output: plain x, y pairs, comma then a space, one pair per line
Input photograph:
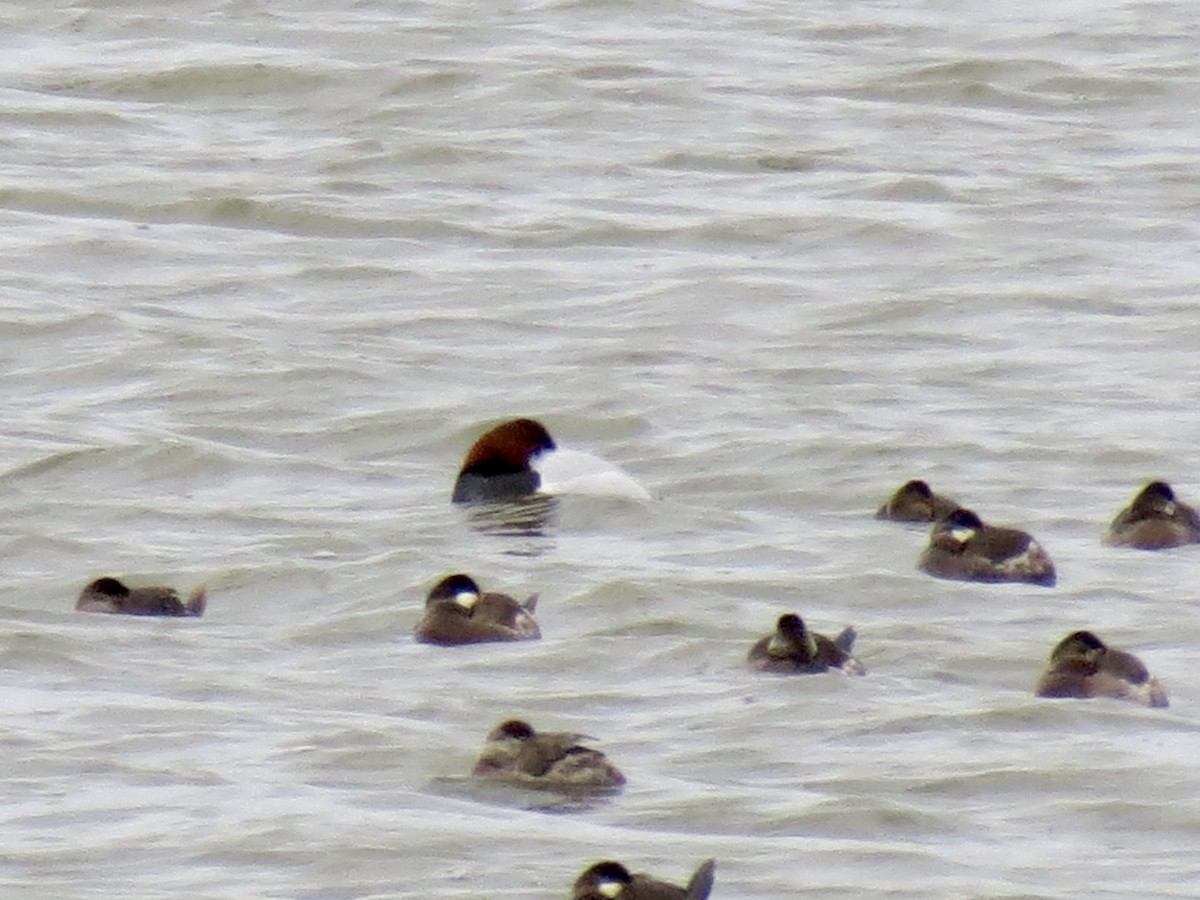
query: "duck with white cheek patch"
457, 612
963, 548
610, 880
1154, 520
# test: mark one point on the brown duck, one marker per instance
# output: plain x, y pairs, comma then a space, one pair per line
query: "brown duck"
552, 760
962, 547
108, 595
1082, 665
914, 501
793, 649
457, 612
610, 880
1155, 520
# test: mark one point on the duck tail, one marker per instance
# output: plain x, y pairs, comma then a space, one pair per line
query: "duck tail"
702, 881
845, 640
196, 602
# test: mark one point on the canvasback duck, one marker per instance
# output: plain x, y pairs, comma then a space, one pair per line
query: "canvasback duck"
555, 761
109, 595
610, 880
457, 612
499, 465
1082, 665
963, 548
518, 458
1155, 520
915, 501
793, 649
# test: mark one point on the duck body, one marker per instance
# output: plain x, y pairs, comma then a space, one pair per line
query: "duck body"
518, 459
1154, 520
1083, 666
794, 650
609, 880
110, 595
914, 501
517, 754
963, 548
457, 612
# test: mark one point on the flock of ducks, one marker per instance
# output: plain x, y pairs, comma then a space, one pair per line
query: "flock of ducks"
505, 464
962, 547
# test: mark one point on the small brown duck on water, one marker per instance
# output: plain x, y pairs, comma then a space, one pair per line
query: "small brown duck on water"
963, 548
457, 612
914, 501
793, 649
109, 595
1154, 520
548, 760
1083, 666
610, 880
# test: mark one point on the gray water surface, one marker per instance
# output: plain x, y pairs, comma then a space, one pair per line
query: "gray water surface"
265, 274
